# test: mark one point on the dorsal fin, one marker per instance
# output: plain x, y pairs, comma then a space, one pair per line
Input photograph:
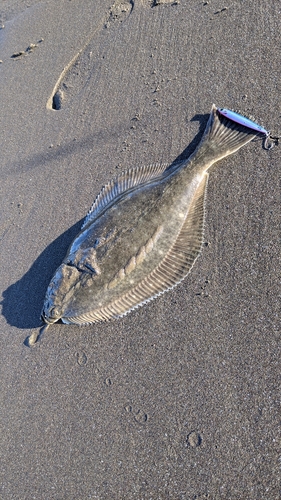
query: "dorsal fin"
172, 269
122, 183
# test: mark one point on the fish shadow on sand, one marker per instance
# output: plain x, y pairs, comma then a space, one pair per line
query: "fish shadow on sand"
23, 301
202, 119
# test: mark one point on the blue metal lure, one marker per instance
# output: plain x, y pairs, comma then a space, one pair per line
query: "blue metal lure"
246, 122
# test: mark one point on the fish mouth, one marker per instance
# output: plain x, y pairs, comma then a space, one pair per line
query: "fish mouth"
48, 321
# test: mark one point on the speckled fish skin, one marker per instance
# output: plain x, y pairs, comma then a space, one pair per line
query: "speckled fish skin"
142, 235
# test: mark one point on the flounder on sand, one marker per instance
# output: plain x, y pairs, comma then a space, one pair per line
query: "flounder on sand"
143, 233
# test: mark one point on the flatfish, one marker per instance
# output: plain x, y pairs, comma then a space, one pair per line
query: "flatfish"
143, 233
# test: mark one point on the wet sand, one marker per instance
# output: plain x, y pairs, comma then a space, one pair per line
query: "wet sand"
180, 399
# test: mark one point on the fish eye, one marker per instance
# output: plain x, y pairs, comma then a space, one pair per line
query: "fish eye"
54, 313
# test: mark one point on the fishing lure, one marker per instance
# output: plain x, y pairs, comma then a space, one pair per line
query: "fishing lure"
246, 122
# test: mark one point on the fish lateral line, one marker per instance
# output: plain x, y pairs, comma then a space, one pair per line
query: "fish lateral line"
269, 141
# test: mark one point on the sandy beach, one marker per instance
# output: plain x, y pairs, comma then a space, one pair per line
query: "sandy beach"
180, 399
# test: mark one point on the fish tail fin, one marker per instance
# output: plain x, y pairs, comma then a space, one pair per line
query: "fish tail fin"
222, 137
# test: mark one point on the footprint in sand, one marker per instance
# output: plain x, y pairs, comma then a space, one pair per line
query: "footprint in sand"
81, 358
75, 74
139, 415
193, 439
119, 12
78, 71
